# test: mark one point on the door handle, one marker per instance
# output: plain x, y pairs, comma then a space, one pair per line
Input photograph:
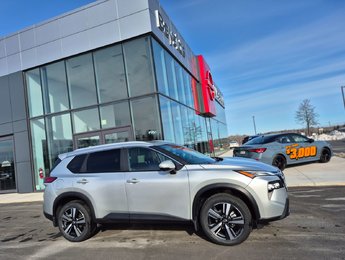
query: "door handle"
133, 181
83, 181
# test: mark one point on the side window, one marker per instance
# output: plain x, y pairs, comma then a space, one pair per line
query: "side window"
143, 159
76, 164
105, 161
299, 138
284, 139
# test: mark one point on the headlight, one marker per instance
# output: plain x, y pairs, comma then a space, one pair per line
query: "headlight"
253, 174
274, 185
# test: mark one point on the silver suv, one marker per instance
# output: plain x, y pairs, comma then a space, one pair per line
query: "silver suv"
161, 181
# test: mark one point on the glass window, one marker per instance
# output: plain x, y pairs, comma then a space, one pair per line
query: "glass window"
220, 113
188, 89
89, 140
39, 146
7, 169
76, 163
142, 159
81, 81
161, 73
180, 83
185, 126
110, 74
299, 138
139, 66
178, 130
170, 65
59, 133
145, 119
105, 161
34, 92
54, 83
115, 115
167, 119
86, 120
188, 155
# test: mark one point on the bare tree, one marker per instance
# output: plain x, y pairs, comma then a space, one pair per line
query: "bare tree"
306, 115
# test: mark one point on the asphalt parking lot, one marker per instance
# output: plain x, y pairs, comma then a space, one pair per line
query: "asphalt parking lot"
314, 230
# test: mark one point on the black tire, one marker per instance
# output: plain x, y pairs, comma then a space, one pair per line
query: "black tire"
325, 155
218, 216
279, 161
74, 221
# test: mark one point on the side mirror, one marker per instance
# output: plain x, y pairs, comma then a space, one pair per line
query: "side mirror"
168, 165
310, 140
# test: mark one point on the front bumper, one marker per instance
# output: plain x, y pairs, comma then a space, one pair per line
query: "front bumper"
285, 213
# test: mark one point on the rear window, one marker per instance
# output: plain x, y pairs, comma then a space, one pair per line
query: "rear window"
262, 140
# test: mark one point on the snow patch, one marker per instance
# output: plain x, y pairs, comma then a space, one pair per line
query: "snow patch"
332, 136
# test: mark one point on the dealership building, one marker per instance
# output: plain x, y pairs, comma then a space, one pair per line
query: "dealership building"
110, 71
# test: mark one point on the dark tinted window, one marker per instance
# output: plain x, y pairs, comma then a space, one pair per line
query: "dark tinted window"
143, 159
105, 161
284, 139
76, 163
262, 139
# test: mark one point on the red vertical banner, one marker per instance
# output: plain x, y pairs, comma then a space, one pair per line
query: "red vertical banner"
208, 90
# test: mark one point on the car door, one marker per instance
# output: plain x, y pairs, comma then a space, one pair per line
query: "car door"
153, 193
285, 144
100, 178
302, 149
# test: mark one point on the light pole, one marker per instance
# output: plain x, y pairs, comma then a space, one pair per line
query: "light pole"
342, 91
254, 124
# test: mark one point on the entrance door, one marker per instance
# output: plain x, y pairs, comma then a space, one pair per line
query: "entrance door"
116, 135
7, 172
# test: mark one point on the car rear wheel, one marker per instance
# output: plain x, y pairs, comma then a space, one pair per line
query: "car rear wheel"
225, 219
74, 221
325, 155
279, 161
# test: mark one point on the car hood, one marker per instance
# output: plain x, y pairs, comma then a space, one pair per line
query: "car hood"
237, 163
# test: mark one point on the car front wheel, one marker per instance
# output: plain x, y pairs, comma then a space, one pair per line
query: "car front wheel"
74, 221
225, 219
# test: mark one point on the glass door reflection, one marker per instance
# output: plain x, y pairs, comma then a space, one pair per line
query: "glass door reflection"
115, 135
7, 171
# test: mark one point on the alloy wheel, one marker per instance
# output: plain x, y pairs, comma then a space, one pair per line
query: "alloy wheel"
225, 221
73, 222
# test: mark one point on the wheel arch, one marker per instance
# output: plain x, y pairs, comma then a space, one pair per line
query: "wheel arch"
70, 196
327, 148
232, 189
279, 154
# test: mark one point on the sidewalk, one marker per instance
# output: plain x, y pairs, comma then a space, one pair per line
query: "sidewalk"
311, 174
20, 197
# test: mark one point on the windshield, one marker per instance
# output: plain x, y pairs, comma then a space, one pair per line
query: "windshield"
188, 155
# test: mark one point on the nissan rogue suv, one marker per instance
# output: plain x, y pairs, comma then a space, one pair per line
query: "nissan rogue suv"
157, 181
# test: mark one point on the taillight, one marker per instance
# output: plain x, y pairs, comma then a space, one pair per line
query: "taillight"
258, 150
49, 179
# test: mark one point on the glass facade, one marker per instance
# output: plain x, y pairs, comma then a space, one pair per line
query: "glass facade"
98, 92
133, 90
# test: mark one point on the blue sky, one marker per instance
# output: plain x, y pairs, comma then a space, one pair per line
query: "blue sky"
266, 56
